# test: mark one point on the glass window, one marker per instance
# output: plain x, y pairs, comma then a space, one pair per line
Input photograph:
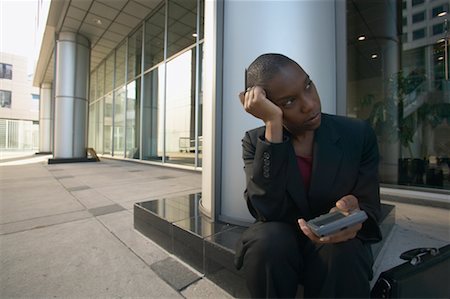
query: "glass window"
5, 71
438, 29
417, 2
200, 108
108, 124
99, 126
202, 19
180, 109
92, 131
134, 54
404, 95
153, 115
418, 17
119, 122
419, 33
182, 25
5, 98
405, 21
109, 73
154, 38
100, 80
439, 9
93, 86
96, 126
133, 118
35, 97
120, 65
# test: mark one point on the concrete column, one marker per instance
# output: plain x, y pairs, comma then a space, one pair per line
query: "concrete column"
71, 96
248, 31
45, 119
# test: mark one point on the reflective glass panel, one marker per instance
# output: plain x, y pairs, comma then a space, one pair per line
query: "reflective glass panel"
133, 118
120, 65
100, 80
400, 85
182, 25
134, 54
202, 19
154, 38
180, 109
200, 108
99, 126
93, 86
153, 115
91, 135
109, 73
119, 122
108, 124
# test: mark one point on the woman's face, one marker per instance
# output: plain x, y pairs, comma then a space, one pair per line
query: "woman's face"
293, 91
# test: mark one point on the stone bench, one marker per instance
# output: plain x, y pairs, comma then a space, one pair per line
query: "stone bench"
177, 225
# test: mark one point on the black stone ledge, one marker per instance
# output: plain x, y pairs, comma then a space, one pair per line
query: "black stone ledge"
177, 225
71, 160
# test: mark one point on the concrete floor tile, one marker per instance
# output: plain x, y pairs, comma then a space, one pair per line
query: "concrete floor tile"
80, 259
120, 224
204, 288
90, 198
40, 222
175, 273
25, 204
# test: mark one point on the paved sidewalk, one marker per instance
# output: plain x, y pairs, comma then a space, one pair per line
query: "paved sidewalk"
52, 245
66, 230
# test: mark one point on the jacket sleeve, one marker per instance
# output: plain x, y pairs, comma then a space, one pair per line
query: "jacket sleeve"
265, 167
367, 188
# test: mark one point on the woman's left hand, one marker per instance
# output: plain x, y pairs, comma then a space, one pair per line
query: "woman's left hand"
346, 205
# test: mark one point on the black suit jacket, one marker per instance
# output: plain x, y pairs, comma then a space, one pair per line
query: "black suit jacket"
345, 161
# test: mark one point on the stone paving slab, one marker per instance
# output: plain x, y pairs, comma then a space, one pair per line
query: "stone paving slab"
80, 259
40, 222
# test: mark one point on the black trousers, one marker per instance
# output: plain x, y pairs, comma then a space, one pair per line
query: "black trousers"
276, 257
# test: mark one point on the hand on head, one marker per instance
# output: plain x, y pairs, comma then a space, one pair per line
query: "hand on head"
255, 102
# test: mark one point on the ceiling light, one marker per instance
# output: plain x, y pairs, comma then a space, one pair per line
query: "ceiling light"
441, 14
441, 58
194, 34
362, 37
374, 56
97, 21
440, 41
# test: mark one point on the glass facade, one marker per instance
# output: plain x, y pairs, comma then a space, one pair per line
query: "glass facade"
146, 96
398, 81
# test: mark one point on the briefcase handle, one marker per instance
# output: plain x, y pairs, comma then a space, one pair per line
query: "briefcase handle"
414, 256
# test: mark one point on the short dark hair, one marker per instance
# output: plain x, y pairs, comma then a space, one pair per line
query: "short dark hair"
265, 67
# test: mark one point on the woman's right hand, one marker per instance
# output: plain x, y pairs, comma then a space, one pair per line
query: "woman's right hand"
257, 104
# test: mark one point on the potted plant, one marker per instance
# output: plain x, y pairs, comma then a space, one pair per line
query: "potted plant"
391, 125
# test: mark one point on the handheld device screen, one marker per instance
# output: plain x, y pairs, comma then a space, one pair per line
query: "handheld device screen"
328, 219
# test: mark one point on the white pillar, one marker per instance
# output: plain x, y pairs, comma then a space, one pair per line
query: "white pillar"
302, 30
45, 118
71, 95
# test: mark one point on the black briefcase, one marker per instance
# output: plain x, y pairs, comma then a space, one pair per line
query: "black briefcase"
426, 274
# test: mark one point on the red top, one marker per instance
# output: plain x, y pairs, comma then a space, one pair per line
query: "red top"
305, 166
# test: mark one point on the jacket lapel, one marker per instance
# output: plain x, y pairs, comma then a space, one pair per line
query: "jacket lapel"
326, 161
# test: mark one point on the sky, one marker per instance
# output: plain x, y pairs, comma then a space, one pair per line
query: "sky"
17, 28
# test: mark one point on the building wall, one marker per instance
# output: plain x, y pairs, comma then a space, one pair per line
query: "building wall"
23, 107
19, 128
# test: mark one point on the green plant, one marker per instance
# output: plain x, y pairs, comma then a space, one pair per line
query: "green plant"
387, 117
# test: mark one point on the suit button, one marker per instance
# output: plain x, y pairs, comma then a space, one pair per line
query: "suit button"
266, 155
266, 162
266, 174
